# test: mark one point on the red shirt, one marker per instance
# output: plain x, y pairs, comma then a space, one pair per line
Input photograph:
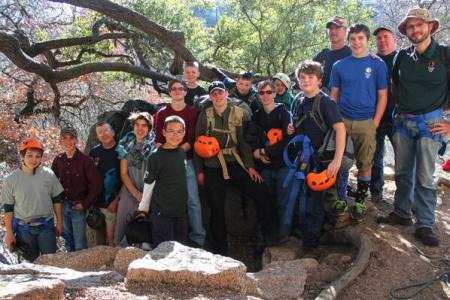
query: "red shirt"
79, 177
188, 114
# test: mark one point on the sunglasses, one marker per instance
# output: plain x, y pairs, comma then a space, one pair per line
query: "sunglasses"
180, 88
265, 92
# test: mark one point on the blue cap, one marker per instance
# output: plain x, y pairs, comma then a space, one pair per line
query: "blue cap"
216, 85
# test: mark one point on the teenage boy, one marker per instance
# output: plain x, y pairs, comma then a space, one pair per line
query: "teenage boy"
190, 75
336, 32
420, 78
386, 42
232, 165
359, 86
242, 88
108, 164
309, 75
165, 188
82, 185
178, 107
273, 119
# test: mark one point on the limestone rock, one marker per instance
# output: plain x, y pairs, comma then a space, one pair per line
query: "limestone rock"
389, 173
310, 264
91, 259
21, 288
125, 256
284, 252
173, 263
278, 280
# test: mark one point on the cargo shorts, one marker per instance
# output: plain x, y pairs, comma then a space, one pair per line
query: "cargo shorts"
363, 134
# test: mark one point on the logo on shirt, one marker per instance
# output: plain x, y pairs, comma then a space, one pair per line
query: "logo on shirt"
368, 72
431, 66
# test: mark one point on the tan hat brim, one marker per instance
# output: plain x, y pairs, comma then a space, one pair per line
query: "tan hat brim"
402, 26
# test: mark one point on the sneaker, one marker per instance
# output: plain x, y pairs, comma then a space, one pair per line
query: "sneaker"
427, 236
394, 219
358, 212
340, 207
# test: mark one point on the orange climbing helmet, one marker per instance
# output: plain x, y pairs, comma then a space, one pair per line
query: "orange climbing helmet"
320, 181
206, 146
274, 135
31, 143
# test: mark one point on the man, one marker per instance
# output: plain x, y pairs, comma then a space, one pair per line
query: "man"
108, 164
232, 165
386, 42
337, 32
359, 85
82, 185
178, 107
419, 76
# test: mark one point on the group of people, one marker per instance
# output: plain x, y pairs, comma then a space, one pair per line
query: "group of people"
263, 141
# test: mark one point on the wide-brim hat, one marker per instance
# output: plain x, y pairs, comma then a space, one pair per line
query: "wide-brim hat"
418, 13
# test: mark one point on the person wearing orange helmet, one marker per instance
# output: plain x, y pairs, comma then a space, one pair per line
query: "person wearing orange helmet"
31, 199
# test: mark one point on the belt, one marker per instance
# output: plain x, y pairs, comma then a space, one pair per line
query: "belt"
33, 222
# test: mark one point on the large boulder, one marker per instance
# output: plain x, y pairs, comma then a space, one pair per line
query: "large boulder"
125, 256
284, 252
91, 259
19, 287
173, 263
278, 280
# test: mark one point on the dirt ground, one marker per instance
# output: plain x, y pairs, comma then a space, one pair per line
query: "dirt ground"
396, 261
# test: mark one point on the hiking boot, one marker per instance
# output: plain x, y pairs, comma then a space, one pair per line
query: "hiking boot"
358, 212
376, 198
427, 236
340, 207
394, 219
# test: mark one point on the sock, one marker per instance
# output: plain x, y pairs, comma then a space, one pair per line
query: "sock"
363, 188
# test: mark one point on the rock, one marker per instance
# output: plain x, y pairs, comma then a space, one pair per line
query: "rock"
91, 259
389, 173
284, 252
325, 273
337, 259
125, 256
34, 274
19, 287
310, 264
173, 263
346, 259
278, 280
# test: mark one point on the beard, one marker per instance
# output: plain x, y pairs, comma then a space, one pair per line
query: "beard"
420, 39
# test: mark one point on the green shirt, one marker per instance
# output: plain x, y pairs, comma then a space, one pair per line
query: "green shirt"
167, 168
31, 194
422, 84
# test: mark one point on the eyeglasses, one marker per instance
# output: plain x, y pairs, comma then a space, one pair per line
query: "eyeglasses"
265, 92
180, 89
412, 26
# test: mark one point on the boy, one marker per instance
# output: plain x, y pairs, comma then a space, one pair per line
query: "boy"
165, 188
191, 74
359, 86
242, 88
108, 164
178, 107
282, 84
82, 185
309, 75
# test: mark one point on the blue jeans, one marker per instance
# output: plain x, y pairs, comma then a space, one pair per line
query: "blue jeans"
274, 179
39, 239
377, 180
197, 233
415, 154
74, 222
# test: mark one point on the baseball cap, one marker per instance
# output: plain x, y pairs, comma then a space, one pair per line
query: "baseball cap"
216, 85
70, 130
387, 28
338, 21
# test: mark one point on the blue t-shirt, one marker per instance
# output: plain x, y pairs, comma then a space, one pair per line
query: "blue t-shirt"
108, 165
327, 58
359, 80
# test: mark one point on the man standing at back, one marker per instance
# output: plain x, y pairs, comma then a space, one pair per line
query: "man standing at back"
386, 51
337, 33
419, 76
